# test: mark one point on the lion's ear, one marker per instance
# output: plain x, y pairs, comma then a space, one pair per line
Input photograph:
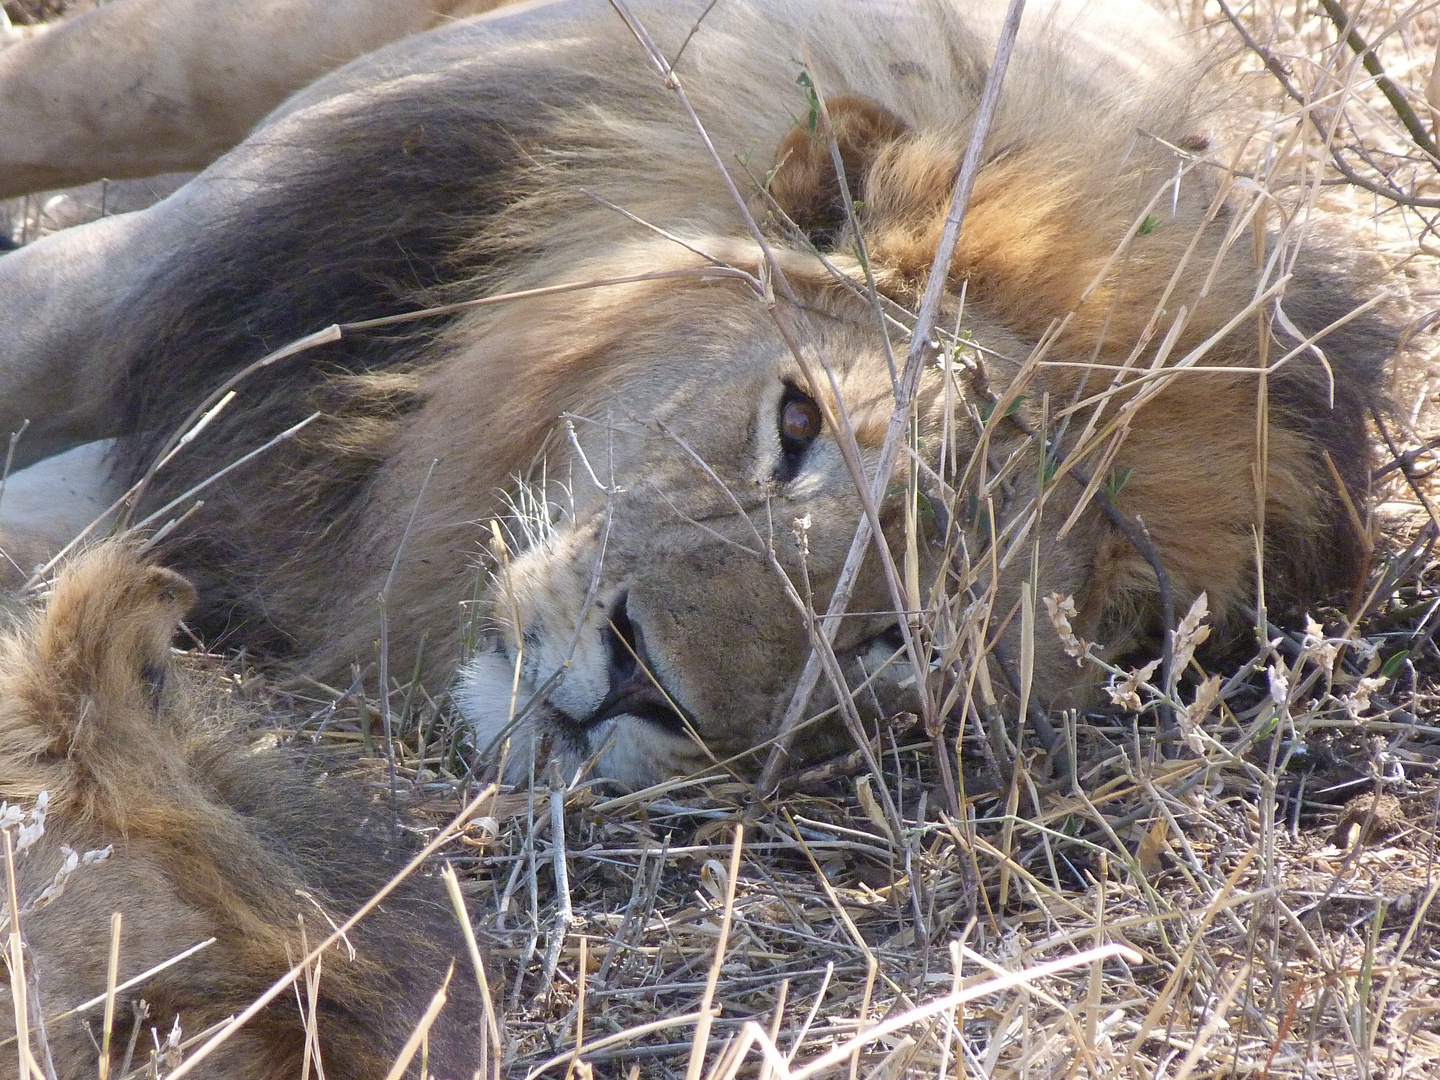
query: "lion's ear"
805, 184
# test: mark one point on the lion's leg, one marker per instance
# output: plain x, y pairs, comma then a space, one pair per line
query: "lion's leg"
139, 87
64, 298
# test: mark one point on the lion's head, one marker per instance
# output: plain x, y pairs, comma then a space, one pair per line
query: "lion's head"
695, 515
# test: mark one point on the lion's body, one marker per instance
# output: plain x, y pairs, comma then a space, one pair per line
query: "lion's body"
489, 157
209, 841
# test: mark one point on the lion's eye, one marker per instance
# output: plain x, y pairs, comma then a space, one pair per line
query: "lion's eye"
799, 424
800, 421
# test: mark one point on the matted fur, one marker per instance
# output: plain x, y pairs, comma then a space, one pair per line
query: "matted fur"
209, 840
488, 157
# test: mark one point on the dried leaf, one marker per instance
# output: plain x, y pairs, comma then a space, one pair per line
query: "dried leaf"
27, 828
1155, 844
1061, 610
715, 879
801, 527
1279, 684
69, 863
1317, 648
872, 807
1126, 693
1191, 633
1358, 700
1193, 715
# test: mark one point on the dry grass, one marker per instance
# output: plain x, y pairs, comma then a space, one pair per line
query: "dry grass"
1257, 898
1260, 936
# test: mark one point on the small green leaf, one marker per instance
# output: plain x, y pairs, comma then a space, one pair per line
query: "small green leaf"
988, 409
1148, 225
1116, 481
804, 80
1392, 664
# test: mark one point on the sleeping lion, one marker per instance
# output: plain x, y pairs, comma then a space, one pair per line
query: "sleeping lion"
613, 492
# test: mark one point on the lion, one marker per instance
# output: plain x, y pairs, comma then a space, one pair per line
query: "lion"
611, 479
136, 760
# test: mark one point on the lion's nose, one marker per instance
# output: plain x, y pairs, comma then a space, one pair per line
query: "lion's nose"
635, 689
628, 658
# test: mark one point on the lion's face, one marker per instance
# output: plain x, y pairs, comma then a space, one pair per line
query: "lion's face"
703, 507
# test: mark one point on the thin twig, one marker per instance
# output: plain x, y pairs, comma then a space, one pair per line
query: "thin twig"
707, 1000
564, 913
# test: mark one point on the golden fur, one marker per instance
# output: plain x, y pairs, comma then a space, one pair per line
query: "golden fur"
208, 840
636, 605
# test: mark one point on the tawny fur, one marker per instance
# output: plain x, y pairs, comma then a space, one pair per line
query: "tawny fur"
83, 98
209, 840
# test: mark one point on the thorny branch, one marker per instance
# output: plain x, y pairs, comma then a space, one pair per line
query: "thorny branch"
1312, 114
1393, 94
